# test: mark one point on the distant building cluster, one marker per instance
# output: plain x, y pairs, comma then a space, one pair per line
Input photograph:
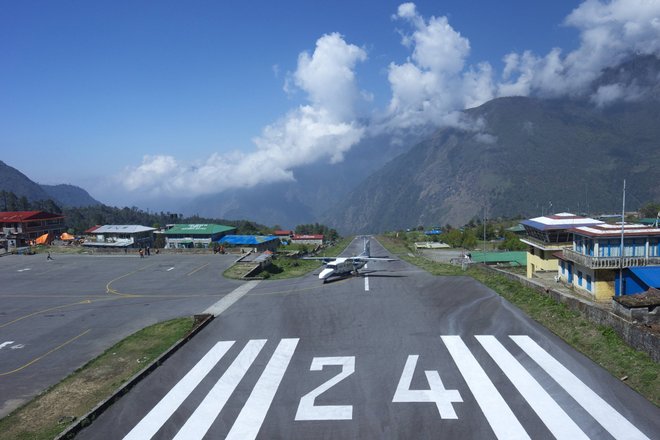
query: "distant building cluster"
22, 229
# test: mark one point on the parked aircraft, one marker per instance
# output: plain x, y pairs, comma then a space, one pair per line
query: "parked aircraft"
341, 266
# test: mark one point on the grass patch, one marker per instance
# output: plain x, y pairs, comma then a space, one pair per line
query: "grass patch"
236, 271
52, 411
601, 344
291, 267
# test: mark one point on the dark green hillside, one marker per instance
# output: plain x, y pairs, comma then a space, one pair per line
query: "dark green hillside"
14, 181
70, 195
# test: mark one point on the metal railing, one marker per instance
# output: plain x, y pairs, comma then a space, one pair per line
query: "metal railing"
609, 262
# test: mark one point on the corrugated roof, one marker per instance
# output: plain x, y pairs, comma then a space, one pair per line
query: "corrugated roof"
649, 274
122, 229
562, 220
22, 216
308, 237
198, 229
607, 230
519, 257
247, 239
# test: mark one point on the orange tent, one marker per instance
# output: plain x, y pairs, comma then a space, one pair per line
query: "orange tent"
66, 236
44, 239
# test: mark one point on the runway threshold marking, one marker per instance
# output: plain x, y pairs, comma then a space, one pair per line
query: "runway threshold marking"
366, 281
499, 415
201, 420
198, 269
608, 417
549, 411
249, 420
46, 354
493, 405
152, 422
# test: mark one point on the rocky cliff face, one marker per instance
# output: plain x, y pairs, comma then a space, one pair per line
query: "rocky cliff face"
523, 156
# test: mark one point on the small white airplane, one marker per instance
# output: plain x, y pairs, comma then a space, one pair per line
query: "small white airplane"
341, 266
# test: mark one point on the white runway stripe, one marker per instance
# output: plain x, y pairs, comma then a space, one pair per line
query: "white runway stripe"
504, 423
153, 421
557, 421
252, 415
229, 299
201, 420
608, 417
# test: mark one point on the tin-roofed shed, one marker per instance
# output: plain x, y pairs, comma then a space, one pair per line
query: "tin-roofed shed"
252, 243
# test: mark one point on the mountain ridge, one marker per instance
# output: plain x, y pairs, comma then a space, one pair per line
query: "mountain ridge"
13, 180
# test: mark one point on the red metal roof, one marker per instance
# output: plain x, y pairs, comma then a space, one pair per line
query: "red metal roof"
92, 229
24, 216
607, 230
308, 237
283, 232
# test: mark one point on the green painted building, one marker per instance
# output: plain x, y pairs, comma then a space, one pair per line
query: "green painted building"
195, 235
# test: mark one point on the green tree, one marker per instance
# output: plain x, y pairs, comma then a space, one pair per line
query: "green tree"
453, 238
469, 239
650, 210
512, 243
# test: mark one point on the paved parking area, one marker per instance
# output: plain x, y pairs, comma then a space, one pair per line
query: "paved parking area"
58, 314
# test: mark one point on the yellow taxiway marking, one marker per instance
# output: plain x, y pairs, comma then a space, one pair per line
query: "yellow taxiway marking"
44, 355
109, 289
87, 301
199, 268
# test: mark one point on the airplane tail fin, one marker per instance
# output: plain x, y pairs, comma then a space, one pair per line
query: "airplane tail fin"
367, 248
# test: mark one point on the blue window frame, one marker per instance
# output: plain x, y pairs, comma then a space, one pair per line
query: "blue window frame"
579, 274
589, 283
563, 267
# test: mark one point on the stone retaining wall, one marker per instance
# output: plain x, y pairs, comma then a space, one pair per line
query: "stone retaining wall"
636, 335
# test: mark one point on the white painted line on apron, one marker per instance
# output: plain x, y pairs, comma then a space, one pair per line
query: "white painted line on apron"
229, 299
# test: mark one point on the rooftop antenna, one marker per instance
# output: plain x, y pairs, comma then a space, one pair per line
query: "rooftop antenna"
623, 214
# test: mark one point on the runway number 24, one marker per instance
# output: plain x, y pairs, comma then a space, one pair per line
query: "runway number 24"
437, 393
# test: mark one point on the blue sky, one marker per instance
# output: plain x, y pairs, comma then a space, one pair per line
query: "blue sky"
135, 100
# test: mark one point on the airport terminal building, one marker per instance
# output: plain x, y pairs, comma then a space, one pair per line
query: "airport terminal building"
184, 236
19, 228
119, 236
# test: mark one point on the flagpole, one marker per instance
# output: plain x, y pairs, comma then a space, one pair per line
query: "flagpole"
623, 213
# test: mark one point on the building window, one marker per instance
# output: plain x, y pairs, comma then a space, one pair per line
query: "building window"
563, 267
589, 283
654, 248
579, 274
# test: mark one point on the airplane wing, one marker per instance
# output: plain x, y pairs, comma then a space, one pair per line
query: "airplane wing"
371, 259
326, 259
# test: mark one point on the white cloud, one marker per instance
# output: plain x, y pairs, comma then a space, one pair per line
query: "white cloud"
324, 129
609, 33
429, 88
433, 83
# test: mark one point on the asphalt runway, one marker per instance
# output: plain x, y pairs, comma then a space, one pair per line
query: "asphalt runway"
57, 315
394, 353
